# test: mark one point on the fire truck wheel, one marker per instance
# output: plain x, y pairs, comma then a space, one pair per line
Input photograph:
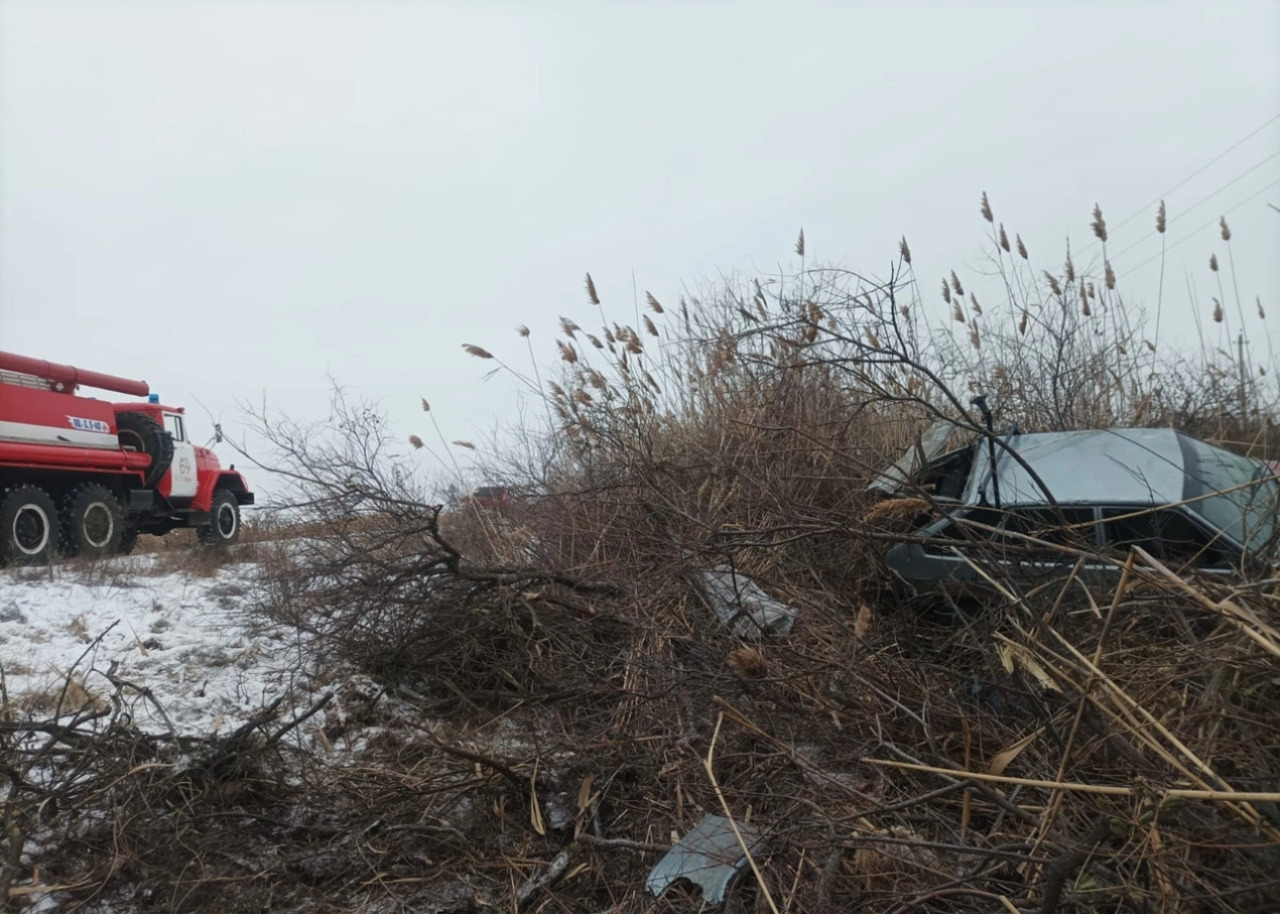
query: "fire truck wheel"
92, 521
224, 520
28, 526
142, 433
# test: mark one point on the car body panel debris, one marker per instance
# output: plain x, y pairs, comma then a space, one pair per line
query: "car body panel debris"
710, 856
899, 474
1183, 500
741, 604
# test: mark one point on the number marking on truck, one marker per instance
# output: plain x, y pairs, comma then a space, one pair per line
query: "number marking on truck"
89, 425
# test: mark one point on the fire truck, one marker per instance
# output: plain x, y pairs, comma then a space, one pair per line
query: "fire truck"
84, 477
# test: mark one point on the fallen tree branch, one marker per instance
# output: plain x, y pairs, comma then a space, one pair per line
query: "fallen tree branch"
533, 886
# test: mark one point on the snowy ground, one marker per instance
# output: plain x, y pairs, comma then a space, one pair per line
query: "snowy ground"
168, 642
173, 643
188, 638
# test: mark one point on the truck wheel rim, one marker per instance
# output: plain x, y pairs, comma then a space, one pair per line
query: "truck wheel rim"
98, 525
31, 530
226, 522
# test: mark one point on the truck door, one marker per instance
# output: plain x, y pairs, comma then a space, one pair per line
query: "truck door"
182, 473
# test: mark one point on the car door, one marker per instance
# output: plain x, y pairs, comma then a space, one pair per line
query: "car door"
935, 554
1042, 543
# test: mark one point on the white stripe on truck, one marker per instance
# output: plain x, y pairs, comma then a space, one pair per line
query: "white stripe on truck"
48, 434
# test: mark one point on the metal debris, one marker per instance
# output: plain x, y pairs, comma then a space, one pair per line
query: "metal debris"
710, 856
932, 443
739, 603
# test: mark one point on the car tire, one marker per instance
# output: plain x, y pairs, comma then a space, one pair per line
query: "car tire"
223, 528
142, 433
92, 522
28, 526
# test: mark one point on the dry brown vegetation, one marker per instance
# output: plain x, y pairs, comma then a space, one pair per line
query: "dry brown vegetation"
550, 700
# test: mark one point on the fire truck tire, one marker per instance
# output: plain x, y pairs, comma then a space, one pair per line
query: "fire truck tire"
92, 521
224, 520
28, 526
145, 434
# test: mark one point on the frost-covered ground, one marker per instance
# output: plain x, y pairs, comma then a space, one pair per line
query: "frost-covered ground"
169, 644
188, 638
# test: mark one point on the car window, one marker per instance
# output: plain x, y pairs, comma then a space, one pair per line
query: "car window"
952, 530
173, 424
1168, 534
1046, 526
1041, 523
1247, 515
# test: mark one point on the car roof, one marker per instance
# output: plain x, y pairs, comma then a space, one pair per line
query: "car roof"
1100, 466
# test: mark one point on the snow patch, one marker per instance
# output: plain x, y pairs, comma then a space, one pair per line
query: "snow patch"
190, 640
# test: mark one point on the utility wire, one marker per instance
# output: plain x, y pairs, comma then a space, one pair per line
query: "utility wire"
1203, 200
1194, 232
1214, 161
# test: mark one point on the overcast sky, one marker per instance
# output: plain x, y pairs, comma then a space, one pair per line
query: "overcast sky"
238, 199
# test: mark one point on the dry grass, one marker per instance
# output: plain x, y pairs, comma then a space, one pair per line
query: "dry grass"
542, 729
554, 700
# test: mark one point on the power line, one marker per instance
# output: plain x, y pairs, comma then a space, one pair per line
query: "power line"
1200, 202
1193, 233
1214, 161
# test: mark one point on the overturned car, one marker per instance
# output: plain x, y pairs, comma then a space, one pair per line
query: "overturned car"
1023, 508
